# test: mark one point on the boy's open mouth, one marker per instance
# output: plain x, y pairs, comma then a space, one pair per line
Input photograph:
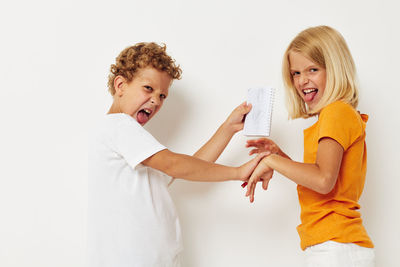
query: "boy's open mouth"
309, 94
143, 115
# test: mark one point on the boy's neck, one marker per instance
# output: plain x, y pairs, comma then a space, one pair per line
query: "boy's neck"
114, 108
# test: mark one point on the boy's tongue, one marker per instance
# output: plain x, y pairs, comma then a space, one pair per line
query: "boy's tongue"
142, 117
310, 96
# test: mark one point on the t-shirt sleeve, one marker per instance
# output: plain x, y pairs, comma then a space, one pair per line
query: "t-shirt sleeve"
340, 122
133, 142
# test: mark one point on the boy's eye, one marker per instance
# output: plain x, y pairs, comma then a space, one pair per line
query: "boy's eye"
162, 96
148, 88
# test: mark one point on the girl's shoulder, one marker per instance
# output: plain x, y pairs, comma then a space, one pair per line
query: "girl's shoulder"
343, 115
340, 111
339, 107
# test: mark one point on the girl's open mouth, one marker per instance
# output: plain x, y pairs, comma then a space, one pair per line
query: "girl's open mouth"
309, 94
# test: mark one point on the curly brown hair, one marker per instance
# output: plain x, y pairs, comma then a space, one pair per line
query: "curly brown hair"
142, 55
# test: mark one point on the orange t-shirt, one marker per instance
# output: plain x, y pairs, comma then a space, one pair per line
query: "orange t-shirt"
334, 216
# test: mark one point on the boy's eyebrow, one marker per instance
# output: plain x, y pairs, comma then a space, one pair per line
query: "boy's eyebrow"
145, 79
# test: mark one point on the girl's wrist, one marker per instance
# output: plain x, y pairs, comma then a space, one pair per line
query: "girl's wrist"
268, 160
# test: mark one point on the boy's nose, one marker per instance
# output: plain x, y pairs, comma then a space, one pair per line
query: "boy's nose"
155, 101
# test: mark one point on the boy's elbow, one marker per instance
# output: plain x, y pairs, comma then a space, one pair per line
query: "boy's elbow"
173, 165
163, 161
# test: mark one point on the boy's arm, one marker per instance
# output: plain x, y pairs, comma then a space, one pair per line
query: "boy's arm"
211, 150
194, 169
319, 177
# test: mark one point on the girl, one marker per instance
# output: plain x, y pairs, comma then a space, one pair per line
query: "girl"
320, 80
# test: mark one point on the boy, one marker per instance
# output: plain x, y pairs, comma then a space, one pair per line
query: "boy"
132, 220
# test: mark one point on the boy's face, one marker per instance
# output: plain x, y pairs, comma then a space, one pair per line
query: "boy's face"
143, 97
308, 78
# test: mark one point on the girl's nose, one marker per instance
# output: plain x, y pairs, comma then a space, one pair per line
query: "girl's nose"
303, 79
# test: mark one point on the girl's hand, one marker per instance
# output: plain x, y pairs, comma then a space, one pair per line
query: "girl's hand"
263, 145
235, 120
261, 172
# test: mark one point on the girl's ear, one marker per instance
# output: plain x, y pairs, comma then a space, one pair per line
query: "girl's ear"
119, 85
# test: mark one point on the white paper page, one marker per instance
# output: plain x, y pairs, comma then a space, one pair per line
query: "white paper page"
258, 120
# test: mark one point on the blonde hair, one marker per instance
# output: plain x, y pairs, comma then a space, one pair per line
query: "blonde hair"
142, 55
327, 48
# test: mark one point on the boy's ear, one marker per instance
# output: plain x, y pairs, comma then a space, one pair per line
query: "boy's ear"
119, 85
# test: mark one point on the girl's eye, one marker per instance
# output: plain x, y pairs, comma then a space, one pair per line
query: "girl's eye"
313, 70
148, 88
162, 96
295, 73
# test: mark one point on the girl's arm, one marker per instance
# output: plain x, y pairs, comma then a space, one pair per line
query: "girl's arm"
211, 150
320, 176
194, 169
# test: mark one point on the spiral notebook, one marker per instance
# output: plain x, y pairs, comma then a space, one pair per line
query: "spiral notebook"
258, 120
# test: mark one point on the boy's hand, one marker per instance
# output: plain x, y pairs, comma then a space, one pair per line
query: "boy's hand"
263, 145
235, 121
247, 169
261, 172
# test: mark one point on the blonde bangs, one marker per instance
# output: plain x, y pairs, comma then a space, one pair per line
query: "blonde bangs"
327, 48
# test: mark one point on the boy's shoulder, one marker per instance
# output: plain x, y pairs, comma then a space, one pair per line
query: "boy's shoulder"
115, 120
114, 124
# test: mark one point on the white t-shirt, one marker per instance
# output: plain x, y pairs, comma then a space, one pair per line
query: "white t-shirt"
132, 219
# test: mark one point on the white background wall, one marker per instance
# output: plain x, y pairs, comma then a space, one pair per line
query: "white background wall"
55, 59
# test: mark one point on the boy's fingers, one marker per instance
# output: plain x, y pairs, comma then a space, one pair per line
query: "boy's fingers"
245, 108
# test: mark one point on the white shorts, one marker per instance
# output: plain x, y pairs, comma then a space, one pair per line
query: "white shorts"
334, 254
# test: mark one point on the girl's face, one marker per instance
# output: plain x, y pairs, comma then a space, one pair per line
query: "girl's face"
143, 97
308, 78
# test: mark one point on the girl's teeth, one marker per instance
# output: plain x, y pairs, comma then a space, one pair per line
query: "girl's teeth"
309, 91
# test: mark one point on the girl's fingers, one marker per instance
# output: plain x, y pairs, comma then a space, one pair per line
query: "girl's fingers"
265, 184
266, 178
253, 151
249, 187
253, 188
255, 141
248, 144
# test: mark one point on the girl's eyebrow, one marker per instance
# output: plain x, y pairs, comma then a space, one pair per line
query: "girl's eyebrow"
312, 66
